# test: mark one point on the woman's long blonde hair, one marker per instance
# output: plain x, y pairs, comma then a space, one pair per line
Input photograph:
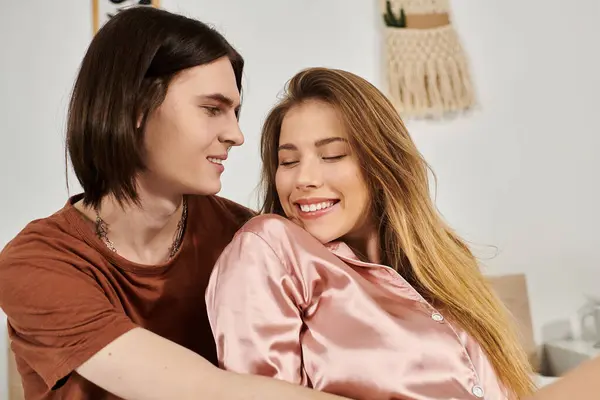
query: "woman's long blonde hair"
415, 240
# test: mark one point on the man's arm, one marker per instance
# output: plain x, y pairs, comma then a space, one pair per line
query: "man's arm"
140, 365
583, 383
61, 321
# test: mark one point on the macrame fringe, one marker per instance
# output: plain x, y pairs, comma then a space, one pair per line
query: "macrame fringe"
428, 72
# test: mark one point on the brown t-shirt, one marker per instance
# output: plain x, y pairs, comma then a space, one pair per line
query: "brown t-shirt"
67, 295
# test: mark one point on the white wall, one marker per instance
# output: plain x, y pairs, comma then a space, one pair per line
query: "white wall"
518, 173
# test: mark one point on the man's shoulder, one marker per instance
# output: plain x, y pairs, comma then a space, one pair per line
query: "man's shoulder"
44, 247
231, 207
219, 211
39, 237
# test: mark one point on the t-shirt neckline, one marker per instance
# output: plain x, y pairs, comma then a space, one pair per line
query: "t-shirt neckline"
82, 226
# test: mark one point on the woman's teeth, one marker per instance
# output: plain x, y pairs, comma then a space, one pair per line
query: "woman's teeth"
316, 206
215, 160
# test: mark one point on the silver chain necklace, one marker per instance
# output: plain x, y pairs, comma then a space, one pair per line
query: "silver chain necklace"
102, 231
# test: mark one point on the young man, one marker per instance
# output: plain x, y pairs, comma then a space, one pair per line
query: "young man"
105, 298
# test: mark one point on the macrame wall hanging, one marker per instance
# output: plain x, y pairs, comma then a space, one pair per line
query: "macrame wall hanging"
427, 69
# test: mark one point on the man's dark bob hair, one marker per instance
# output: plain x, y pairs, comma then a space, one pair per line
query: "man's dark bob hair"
123, 77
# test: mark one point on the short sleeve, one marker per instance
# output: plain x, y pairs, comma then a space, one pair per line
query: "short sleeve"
254, 307
58, 316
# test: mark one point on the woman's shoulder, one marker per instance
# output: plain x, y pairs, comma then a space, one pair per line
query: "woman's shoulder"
284, 237
272, 226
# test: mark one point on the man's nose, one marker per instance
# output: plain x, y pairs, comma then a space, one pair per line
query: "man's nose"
232, 134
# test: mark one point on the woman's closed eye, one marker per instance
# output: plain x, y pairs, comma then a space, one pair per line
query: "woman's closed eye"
287, 163
334, 158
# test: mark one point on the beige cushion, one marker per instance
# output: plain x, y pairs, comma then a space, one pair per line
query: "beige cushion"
15, 389
512, 290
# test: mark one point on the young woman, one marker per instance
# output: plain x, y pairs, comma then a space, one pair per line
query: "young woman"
352, 283
105, 298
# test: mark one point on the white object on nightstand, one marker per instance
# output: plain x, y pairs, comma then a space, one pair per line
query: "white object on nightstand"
541, 381
591, 310
564, 355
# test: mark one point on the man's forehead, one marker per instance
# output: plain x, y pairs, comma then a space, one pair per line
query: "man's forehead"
211, 79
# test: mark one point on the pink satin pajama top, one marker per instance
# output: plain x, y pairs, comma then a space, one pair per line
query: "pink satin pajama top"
281, 304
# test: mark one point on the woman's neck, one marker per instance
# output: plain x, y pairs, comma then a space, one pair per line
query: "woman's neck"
366, 246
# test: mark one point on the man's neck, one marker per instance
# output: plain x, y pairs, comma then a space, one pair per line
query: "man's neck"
141, 233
